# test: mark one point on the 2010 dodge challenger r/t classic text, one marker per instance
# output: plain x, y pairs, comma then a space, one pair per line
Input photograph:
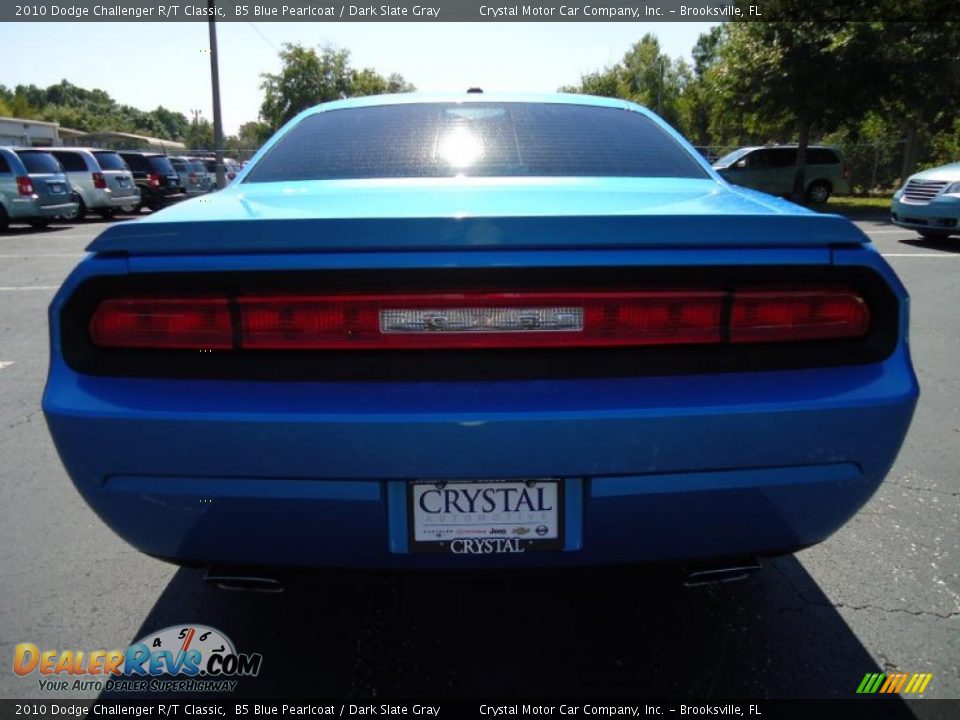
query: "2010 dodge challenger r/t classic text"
472, 331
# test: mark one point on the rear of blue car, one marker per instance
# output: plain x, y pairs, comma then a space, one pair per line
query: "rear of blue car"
467, 332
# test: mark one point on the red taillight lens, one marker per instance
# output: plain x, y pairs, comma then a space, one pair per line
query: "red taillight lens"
24, 185
153, 180
191, 323
790, 315
99, 181
479, 320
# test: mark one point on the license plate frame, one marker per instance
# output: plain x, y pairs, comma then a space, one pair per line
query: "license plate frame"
520, 528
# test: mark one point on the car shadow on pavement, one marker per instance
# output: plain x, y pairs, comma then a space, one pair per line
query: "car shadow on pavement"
15, 230
593, 633
951, 245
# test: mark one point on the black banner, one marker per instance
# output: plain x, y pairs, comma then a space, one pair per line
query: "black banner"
176, 706
478, 11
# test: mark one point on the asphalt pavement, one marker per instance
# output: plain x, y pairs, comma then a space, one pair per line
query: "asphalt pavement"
883, 594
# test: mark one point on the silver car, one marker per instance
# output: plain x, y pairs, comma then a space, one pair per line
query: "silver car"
100, 178
193, 175
929, 202
33, 188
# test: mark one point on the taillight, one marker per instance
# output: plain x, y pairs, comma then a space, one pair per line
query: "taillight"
192, 177
99, 181
24, 185
480, 320
847, 173
175, 323
153, 180
790, 315
231, 175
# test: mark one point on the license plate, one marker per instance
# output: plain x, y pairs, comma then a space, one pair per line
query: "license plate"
55, 187
122, 182
485, 517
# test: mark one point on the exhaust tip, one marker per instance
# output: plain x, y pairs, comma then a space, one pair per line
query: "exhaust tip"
244, 582
716, 574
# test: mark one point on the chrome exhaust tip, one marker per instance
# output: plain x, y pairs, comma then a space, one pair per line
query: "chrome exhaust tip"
243, 582
716, 574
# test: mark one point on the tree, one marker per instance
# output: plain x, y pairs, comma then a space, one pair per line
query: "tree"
646, 76
307, 78
795, 76
921, 79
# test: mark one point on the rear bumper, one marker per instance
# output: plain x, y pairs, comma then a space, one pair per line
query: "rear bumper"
33, 208
315, 474
110, 199
160, 198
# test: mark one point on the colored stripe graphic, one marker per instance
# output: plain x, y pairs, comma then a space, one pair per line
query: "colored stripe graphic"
894, 683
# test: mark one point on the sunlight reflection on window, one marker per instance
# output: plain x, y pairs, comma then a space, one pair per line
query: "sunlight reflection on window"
460, 148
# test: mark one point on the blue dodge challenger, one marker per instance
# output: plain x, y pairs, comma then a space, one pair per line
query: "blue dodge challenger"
475, 330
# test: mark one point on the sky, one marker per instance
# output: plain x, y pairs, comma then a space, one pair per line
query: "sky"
151, 64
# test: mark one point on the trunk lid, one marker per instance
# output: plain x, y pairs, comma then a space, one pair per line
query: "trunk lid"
457, 213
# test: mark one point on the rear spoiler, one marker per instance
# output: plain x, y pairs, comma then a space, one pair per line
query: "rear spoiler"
520, 233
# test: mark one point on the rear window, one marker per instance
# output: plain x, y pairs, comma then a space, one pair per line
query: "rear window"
477, 140
178, 165
161, 165
40, 162
136, 162
71, 161
4, 165
110, 161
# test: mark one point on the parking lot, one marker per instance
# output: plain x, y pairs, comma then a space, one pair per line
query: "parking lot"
883, 593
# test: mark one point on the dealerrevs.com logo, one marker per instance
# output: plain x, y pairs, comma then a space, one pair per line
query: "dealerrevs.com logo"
185, 658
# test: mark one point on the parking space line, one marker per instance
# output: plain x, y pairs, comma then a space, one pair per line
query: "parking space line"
27, 256
14, 288
929, 255
5, 364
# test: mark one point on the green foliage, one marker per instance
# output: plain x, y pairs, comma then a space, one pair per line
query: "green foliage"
89, 110
646, 75
887, 92
307, 78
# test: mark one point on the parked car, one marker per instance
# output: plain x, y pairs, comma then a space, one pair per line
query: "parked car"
460, 332
210, 168
231, 169
33, 188
101, 180
771, 170
158, 182
193, 175
929, 202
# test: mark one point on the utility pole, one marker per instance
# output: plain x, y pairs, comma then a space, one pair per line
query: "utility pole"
660, 91
215, 82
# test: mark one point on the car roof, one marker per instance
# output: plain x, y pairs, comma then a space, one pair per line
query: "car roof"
786, 147
473, 98
84, 149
